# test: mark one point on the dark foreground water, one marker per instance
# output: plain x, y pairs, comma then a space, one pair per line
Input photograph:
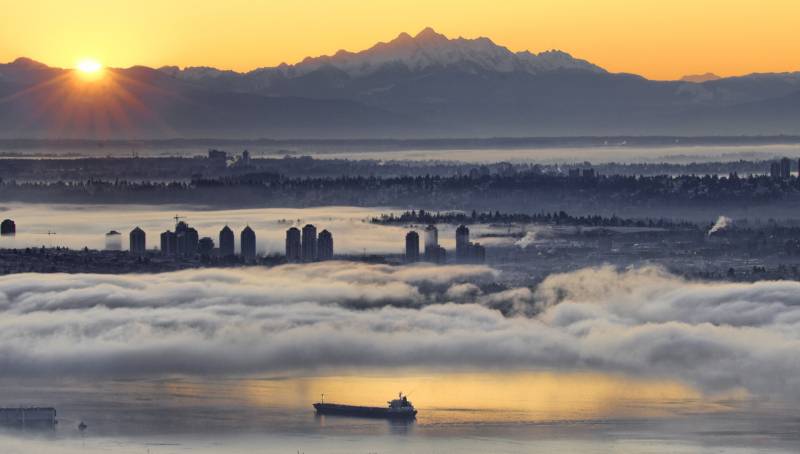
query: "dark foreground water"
459, 413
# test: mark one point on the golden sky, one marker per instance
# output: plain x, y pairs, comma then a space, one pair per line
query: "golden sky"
660, 39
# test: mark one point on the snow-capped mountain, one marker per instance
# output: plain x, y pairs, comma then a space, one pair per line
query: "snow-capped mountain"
429, 49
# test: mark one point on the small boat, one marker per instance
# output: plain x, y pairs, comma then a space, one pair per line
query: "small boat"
400, 408
82, 426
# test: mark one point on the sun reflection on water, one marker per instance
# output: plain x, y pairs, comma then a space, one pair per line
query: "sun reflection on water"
501, 396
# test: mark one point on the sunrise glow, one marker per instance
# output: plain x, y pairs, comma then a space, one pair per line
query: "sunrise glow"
744, 36
89, 67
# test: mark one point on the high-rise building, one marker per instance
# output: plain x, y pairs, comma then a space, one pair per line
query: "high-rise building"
462, 243
786, 168
169, 243
325, 246
309, 243
477, 253
431, 237
186, 239
138, 243
412, 247
247, 240
226, 240
433, 252
113, 241
467, 251
8, 227
775, 170
205, 247
293, 251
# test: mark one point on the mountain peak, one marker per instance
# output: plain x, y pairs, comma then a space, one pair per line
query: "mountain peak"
429, 34
403, 37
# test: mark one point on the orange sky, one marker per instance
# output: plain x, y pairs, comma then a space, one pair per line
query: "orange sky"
660, 39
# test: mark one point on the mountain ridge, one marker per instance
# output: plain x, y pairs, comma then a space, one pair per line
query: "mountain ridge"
427, 48
426, 85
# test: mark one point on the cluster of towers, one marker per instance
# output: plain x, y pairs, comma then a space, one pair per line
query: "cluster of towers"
185, 242
306, 246
781, 169
466, 251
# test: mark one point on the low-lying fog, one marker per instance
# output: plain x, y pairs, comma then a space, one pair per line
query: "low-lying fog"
78, 226
614, 152
595, 155
643, 322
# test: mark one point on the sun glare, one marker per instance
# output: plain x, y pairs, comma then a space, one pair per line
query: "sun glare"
89, 66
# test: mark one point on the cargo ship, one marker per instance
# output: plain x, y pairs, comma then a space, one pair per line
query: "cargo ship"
400, 408
28, 416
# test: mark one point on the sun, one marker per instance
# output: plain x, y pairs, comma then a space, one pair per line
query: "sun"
89, 67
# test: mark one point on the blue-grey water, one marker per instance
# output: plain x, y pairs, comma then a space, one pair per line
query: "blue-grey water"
459, 413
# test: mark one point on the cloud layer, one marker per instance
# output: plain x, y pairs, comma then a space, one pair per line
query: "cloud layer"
641, 322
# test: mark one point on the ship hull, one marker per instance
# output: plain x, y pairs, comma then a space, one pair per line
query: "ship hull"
28, 416
363, 412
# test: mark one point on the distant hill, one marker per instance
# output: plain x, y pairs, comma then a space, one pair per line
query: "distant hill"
413, 86
700, 78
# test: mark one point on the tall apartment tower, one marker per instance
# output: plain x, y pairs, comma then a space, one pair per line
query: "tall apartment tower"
247, 241
775, 170
226, 240
433, 252
8, 227
186, 240
138, 243
309, 245
462, 243
325, 246
786, 168
431, 238
412, 247
293, 252
169, 243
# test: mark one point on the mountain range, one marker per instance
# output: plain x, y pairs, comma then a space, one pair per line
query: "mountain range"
425, 85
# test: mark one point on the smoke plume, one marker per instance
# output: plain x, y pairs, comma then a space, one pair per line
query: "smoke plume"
723, 222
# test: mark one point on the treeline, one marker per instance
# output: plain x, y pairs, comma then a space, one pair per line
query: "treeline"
555, 218
629, 196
